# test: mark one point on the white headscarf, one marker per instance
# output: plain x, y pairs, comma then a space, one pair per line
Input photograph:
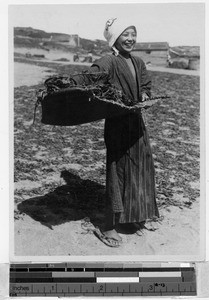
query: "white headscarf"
113, 29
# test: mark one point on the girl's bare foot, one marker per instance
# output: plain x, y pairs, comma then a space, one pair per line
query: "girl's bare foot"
112, 234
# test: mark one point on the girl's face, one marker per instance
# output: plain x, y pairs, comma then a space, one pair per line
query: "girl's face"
126, 41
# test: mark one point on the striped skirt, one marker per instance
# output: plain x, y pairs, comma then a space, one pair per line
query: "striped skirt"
130, 174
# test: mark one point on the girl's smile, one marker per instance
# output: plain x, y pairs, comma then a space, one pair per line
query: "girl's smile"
126, 41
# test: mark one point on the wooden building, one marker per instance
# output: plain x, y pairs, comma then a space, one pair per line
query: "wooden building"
72, 40
155, 54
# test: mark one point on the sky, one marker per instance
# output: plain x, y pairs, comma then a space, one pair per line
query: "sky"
176, 23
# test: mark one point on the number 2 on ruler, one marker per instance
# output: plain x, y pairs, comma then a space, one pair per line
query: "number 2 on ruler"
101, 287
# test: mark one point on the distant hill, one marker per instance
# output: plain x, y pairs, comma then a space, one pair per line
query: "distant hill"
35, 38
30, 32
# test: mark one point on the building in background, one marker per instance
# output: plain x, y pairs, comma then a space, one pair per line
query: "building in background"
155, 54
74, 40
71, 40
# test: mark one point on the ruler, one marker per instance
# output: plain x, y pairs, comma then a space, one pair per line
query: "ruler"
102, 279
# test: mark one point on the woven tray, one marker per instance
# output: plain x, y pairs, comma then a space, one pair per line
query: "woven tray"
73, 106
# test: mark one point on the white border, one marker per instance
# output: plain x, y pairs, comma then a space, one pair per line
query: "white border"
109, 258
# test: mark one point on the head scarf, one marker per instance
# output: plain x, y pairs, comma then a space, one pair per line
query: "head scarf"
113, 29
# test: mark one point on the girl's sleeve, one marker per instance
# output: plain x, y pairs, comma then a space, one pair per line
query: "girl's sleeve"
100, 68
145, 80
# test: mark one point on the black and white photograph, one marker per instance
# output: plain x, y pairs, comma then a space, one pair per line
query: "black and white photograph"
107, 131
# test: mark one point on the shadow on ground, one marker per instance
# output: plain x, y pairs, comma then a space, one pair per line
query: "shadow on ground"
74, 201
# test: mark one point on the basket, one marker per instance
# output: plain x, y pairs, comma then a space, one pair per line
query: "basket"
73, 106
84, 104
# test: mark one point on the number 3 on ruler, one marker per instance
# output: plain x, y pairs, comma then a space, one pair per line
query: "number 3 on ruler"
150, 288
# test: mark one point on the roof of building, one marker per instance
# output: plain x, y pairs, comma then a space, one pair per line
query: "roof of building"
156, 46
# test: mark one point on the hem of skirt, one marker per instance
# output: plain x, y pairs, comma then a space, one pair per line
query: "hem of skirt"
125, 221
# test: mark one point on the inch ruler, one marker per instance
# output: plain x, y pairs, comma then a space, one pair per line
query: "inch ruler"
102, 279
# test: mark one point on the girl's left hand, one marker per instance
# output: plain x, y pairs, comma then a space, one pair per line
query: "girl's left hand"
139, 106
145, 97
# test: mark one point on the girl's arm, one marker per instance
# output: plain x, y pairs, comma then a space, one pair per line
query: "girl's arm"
97, 73
145, 83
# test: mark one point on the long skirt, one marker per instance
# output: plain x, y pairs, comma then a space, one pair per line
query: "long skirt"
130, 174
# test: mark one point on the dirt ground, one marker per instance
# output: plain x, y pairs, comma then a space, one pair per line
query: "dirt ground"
59, 175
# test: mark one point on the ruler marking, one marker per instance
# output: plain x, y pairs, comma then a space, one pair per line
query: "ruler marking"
184, 290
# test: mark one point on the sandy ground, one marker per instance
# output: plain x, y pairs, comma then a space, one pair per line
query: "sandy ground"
25, 74
176, 234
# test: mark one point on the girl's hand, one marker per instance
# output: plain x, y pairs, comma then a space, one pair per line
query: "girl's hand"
137, 108
145, 97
